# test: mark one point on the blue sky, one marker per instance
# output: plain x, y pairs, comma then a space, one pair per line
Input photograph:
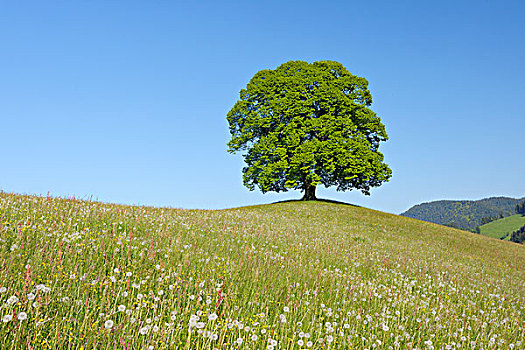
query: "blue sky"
126, 101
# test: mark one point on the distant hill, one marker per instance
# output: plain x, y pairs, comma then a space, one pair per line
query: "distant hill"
502, 228
464, 214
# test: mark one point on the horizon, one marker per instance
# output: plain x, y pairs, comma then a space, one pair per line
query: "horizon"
126, 101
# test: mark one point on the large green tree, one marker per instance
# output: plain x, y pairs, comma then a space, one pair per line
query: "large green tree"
302, 125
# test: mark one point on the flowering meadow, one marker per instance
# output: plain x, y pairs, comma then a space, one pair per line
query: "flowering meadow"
293, 275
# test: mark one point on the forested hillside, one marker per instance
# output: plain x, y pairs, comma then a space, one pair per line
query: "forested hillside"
464, 214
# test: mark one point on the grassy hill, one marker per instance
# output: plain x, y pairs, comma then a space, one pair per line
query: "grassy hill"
503, 227
295, 275
463, 214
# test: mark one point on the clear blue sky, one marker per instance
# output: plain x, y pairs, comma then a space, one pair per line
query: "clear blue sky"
127, 100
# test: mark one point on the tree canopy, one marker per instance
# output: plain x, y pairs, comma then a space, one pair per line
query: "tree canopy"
304, 124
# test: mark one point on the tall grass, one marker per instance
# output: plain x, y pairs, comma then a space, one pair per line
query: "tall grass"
87, 275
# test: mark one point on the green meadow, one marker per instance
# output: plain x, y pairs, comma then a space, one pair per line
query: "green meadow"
502, 228
293, 275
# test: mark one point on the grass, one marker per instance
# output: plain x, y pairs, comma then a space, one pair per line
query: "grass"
292, 275
502, 228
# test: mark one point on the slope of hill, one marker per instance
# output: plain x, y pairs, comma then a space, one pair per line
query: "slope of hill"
502, 228
463, 214
295, 275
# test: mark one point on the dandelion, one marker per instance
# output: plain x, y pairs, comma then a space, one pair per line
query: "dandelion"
212, 317
12, 300
309, 344
143, 330
7, 318
31, 296
3, 289
300, 342
122, 308
286, 309
109, 324
255, 337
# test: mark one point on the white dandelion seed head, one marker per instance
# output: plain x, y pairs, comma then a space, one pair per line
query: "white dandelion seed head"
109, 324
7, 318
12, 300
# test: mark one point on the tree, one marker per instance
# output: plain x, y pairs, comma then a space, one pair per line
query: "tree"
520, 208
302, 125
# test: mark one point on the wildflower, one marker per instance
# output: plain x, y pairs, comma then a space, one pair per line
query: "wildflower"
255, 337
144, 330
300, 342
3, 289
109, 324
30, 296
7, 318
212, 317
122, 308
309, 344
12, 300
286, 309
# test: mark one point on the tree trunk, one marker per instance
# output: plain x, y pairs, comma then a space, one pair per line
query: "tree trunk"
309, 193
